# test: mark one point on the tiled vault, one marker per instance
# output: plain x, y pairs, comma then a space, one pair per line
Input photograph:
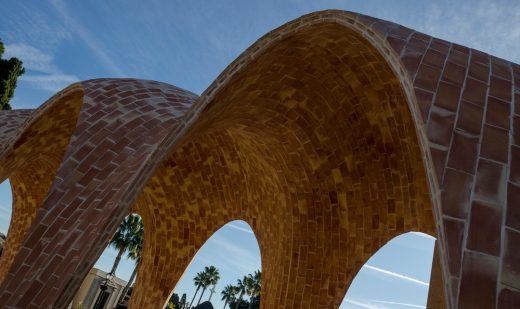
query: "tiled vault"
330, 136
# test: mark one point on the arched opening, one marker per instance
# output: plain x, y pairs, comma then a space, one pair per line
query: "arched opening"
6, 207
396, 276
313, 142
109, 283
234, 251
31, 162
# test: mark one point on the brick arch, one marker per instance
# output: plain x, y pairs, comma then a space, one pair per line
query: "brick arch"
37, 144
302, 125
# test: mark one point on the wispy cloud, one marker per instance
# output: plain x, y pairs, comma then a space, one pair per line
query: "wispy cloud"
52, 83
41, 72
239, 260
490, 26
361, 304
89, 39
423, 235
400, 304
394, 274
236, 227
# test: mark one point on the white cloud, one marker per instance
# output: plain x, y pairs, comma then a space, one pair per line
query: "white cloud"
397, 275
485, 25
245, 230
48, 76
423, 235
361, 304
400, 304
87, 37
239, 259
33, 58
51, 82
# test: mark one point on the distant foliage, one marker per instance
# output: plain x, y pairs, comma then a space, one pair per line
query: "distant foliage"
10, 70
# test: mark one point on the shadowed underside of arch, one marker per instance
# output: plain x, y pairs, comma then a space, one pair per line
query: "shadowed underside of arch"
330, 136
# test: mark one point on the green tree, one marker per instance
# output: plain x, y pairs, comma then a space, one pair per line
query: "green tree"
10, 70
254, 284
124, 237
242, 286
183, 303
198, 281
229, 294
135, 248
211, 277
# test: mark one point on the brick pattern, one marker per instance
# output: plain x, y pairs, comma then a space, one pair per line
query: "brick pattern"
330, 136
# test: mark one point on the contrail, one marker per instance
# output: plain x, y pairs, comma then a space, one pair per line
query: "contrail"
391, 273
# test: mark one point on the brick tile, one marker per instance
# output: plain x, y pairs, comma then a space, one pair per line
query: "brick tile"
508, 298
427, 77
513, 206
500, 88
454, 231
470, 118
497, 113
447, 96
510, 266
475, 92
490, 182
485, 227
440, 126
463, 153
478, 284
456, 193
495, 144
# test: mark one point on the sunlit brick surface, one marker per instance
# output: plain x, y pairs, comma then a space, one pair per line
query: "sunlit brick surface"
330, 136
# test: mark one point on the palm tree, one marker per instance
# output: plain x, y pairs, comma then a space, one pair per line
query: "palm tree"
254, 286
199, 278
211, 277
134, 253
123, 237
229, 294
241, 286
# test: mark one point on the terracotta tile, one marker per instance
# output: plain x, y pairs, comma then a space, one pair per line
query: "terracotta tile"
514, 173
440, 45
516, 130
480, 57
397, 44
497, 113
439, 161
517, 101
454, 231
510, 266
500, 68
434, 58
478, 71
513, 206
424, 100
485, 227
440, 126
508, 298
447, 96
456, 191
475, 92
459, 57
490, 182
427, 77
470, 118
479, 281
463, 152
495, 144
500, 88
454, 73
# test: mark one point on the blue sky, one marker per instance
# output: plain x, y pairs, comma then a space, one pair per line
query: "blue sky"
188, 43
